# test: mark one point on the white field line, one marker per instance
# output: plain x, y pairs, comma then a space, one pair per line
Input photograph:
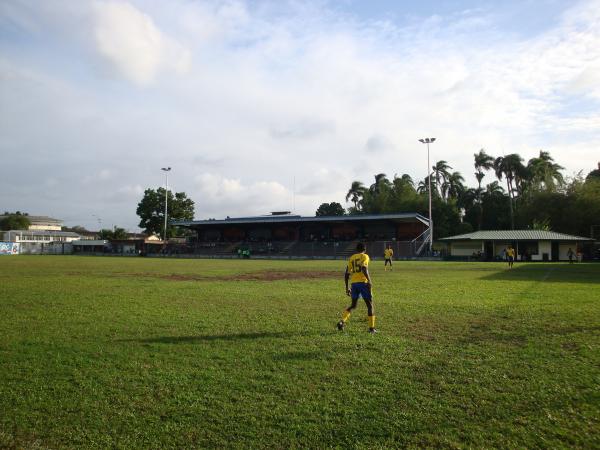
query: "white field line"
547, 274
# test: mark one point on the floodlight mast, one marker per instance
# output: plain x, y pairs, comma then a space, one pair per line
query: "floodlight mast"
166, 170
429, 141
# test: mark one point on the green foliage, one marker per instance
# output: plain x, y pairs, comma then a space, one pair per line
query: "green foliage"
151, 210
594, 174
541, 225
536, 195
330, 209
185, 355
400, 195
116, 233
15, 221
75, 229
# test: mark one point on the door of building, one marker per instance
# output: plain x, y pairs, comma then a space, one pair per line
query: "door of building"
555, 251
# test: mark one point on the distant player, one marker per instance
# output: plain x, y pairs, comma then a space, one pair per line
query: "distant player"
357, 272
388, 253
510, 256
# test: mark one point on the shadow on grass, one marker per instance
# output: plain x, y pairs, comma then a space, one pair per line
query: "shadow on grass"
208, 338
552, 272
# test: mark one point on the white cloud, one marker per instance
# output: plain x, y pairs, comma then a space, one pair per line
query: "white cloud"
126, 193
131, 42
100, 176
253, 95
216, 193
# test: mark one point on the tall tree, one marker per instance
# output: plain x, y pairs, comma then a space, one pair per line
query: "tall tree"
483, 161
115, 233
330, 209
440, 171
545, 173
355, 193
151, 210
15, 221
423, 186
511, 168
594, 174
453, 186
381, 182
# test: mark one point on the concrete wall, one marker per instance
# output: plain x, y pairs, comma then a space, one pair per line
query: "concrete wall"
465, 248
543, 247
563, 250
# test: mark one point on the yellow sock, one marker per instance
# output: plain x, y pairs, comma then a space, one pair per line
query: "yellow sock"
371, 321
345, 316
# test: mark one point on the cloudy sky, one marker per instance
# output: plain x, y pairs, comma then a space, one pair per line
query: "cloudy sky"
261, 106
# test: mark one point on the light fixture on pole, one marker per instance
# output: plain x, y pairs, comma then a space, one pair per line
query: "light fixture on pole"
429, 141
99, 221
166, 170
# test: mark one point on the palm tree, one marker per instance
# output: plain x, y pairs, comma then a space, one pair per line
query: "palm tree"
453, 186
494, 189
380, 181
483, 161
423, 186
406, 179
511, 167
545, 173
355, 193
441, 173
402, 184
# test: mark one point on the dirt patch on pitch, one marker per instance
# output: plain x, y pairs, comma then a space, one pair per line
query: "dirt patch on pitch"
282, 275
253, 276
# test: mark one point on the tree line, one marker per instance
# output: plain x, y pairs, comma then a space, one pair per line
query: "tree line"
517, 195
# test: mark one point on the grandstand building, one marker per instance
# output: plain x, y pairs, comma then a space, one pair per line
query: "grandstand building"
283, 234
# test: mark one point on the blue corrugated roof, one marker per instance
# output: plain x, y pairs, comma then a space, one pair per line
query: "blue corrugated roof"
288, 219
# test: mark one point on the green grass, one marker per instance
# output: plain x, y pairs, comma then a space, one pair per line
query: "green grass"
155, 353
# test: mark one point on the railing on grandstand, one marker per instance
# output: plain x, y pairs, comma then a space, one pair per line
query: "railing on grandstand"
297, 249
420, 244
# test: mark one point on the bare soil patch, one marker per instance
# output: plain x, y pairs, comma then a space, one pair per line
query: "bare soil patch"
283, 275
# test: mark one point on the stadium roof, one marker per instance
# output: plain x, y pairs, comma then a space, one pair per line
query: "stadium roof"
281, 219
515, 235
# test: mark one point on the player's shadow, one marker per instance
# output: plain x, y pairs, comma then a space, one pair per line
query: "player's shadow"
553, 272
208, 338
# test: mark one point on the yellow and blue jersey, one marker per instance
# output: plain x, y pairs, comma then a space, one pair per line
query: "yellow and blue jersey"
355, 265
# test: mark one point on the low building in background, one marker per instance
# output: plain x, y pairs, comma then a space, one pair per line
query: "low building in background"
530, 245
90, 246
42, 241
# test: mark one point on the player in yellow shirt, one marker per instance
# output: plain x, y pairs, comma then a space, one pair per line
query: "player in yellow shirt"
388, 253
510, 256
357, 273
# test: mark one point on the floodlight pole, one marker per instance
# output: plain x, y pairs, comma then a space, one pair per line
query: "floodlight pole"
429, 141
166, 170
99, 221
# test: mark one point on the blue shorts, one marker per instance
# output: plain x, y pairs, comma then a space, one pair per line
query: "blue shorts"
360, 289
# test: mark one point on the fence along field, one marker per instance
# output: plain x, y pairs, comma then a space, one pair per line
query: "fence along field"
134, 352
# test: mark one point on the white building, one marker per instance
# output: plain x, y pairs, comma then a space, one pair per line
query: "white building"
532, 245
39, 236
41, 241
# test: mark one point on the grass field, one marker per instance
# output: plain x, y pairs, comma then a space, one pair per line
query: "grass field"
154, 353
